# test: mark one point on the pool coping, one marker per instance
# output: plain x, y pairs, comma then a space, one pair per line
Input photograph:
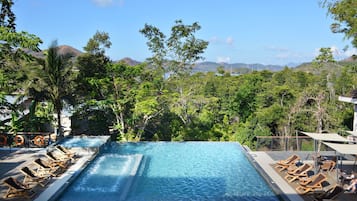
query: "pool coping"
260, 160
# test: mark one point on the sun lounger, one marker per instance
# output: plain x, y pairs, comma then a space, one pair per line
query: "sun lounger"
45, 168
66, 151
17, 189
32, 176
285, 164
311, 185
301, 171
327, 165
59, 161
330, 194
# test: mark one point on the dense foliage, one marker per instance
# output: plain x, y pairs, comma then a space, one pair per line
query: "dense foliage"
344, 13
141, 103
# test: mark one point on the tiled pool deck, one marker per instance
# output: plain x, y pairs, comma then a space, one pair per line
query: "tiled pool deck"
13, 160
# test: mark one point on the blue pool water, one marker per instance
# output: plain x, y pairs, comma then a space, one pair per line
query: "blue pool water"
171, 171
85, 141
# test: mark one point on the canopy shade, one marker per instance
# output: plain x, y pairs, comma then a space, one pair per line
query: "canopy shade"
343, 148
329, 137
352, 132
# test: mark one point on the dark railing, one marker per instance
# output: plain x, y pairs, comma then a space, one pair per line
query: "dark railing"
285, 143
27, 139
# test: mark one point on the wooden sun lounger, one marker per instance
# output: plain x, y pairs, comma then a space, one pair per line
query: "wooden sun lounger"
311, 185
17, 189
59, 161
66, 151
285, 164
301, 171
328, 165
45, 168
32, 176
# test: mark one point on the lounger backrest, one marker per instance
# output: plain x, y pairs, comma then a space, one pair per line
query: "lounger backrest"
28, 172
303, 168
13, 183
328, 165
292, 159
318, 180
332, 165
41, 163
51, 156
63, 149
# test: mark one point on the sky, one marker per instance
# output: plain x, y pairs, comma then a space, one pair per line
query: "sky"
279, 32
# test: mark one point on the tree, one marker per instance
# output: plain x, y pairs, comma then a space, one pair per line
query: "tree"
181, 50
324, 57
120, 87
12, 56
92, 66
98, 43
7, 17
57, 79
13, 43
344, 13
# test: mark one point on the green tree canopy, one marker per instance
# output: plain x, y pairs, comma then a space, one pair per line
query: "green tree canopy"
344, 12
57, 78
180, 50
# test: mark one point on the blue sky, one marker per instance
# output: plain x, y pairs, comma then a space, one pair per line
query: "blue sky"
247, 31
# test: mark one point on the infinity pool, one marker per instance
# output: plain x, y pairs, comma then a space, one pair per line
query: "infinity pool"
84, 141
170, 171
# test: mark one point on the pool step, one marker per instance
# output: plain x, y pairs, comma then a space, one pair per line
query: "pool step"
124, 193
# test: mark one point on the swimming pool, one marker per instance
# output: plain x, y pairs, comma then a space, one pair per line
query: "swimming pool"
170, 171
84, 141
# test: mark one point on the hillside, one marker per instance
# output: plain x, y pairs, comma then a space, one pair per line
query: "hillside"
68, 50
209, 66
335, 67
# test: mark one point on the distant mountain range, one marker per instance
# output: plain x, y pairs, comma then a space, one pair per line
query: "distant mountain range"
234, 67
206, 66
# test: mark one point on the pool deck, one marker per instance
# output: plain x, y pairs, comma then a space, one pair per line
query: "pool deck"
61, 182
12, 160
265, 161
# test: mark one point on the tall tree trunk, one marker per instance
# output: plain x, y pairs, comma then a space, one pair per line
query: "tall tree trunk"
59, 125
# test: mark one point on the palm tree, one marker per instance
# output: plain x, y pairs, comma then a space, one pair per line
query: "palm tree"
57, 80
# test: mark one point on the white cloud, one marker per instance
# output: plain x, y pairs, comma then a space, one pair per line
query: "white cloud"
106, 3
351, 52
223, 59
103, 3
337, 53
229, 40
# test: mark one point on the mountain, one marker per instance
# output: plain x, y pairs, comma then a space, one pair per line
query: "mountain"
199, 67
234, 67
62, 49
68, 50
352, 58
129, 61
